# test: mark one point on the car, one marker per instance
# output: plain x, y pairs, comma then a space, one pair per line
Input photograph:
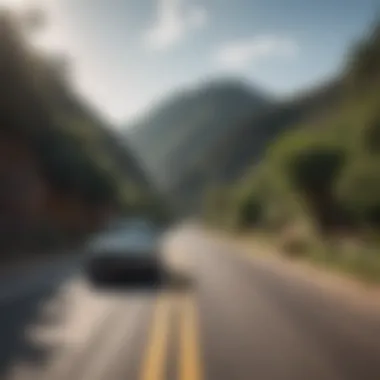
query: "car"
126, 251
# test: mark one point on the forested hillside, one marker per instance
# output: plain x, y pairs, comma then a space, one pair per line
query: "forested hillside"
320, 180
63, 170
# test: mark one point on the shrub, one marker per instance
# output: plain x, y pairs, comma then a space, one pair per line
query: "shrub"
295, 241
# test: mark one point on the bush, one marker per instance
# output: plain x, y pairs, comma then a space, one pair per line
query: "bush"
295, 241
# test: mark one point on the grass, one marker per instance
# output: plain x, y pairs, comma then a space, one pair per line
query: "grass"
361, 262
347, 256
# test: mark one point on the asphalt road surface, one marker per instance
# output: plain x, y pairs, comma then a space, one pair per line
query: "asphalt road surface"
237, 320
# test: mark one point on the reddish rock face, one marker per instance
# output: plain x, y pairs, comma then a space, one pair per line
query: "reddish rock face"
28, 202
22, 187
72, 213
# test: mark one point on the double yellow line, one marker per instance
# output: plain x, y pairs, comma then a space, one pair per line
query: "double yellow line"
155, 359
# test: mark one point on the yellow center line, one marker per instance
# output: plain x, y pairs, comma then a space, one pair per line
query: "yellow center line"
155, 358
189, 360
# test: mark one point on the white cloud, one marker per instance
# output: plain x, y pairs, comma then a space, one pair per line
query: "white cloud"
238, 55
198, 17
173, 23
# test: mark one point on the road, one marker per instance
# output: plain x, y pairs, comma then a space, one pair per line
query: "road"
237, 320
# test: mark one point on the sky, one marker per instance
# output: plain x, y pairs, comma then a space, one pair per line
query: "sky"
127, 55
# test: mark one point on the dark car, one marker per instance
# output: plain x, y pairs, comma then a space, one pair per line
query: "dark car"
127, 251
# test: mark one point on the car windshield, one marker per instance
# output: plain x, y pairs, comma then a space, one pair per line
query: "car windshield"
125, 232
128, 224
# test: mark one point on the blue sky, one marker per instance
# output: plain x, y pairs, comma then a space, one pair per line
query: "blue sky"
127, 54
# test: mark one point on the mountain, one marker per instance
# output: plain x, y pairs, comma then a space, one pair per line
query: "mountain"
245, 144
177, 134
216, 132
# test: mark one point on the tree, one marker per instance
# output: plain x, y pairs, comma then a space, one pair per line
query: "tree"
313, 173
314, 170
358, 190
249, 212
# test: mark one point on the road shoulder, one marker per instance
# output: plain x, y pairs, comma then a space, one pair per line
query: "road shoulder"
343, 286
